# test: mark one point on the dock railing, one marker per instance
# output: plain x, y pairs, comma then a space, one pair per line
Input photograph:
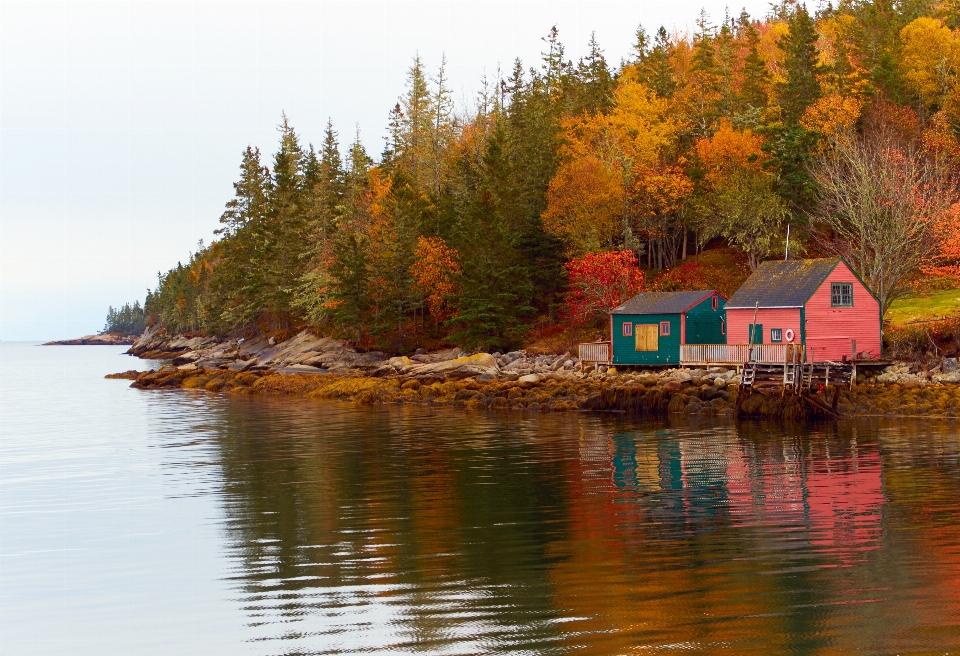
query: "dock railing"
740, 354
594, 353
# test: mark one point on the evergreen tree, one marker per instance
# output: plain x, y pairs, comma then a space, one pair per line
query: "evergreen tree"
495, 292
726, 65
704, 96
238, 282
531, 136
126, 320
592, 86
653, 63
801, 87
285, 227
755, 77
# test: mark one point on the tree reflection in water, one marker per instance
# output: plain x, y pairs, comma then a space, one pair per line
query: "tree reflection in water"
449, 531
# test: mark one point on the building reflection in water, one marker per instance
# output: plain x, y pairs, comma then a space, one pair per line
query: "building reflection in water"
357, 529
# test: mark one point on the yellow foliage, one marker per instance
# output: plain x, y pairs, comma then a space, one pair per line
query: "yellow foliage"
931, 60
584, 205
605, 157
832, 114
730, 150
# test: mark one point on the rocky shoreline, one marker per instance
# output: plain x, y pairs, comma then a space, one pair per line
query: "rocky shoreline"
100, 339
321, 367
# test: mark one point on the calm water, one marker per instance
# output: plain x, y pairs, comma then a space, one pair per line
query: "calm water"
155, 522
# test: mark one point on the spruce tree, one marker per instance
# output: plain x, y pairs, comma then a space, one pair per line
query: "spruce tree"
755, 77
495, 289
238, 282
285, 233
801, 87
653, 64
593, 83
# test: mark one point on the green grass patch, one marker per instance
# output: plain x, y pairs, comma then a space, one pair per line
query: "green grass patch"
924, 307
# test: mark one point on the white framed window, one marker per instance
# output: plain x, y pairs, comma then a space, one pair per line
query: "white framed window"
627, 330
841, 294
776, 334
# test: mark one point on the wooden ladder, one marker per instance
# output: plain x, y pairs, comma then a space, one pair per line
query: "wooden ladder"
748, 375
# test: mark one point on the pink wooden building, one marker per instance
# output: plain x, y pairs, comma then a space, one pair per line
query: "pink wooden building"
820, 303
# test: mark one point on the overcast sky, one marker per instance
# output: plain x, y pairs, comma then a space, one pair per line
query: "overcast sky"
122, 123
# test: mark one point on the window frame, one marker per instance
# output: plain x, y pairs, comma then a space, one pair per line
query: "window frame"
776, 335
715, 302
664, 329
837, 296
626, 329
723, 327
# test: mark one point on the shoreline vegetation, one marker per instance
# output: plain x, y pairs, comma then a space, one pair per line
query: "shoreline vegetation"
320, 367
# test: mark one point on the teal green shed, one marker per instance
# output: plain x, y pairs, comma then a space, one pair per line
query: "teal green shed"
650, 327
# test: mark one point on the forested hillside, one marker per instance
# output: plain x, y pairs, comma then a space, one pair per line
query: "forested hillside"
567, 179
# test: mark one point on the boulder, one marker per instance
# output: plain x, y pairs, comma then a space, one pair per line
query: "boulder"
299, 369
240, 365
465, 367
529, 380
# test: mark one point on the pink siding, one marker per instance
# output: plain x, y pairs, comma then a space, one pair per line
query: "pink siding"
830, 329
738, 323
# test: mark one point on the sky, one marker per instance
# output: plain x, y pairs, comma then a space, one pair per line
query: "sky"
122, 123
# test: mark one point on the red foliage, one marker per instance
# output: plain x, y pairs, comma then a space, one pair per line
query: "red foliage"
723, 269
600, 282
945, 260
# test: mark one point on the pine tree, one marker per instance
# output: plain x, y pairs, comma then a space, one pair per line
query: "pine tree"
653, 64
495, 287
705, 96
285, 233
238, 282
801, 87
755, 79
592, 86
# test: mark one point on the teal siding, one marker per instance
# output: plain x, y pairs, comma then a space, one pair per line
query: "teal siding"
624, 348
703, 322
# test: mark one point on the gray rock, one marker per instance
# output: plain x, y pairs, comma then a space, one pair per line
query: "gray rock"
949, 365
529, 380
299, 369
240, 365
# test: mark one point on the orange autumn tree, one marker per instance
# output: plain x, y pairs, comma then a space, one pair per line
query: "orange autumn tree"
945, 260
435, 274
591, 201
739, 201
600, 282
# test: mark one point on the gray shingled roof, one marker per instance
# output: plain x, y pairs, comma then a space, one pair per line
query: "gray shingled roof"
662, 302
783, 284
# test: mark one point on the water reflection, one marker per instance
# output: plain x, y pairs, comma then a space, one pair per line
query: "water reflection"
408, 529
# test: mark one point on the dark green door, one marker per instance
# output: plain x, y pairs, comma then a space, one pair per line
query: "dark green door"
757, 329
